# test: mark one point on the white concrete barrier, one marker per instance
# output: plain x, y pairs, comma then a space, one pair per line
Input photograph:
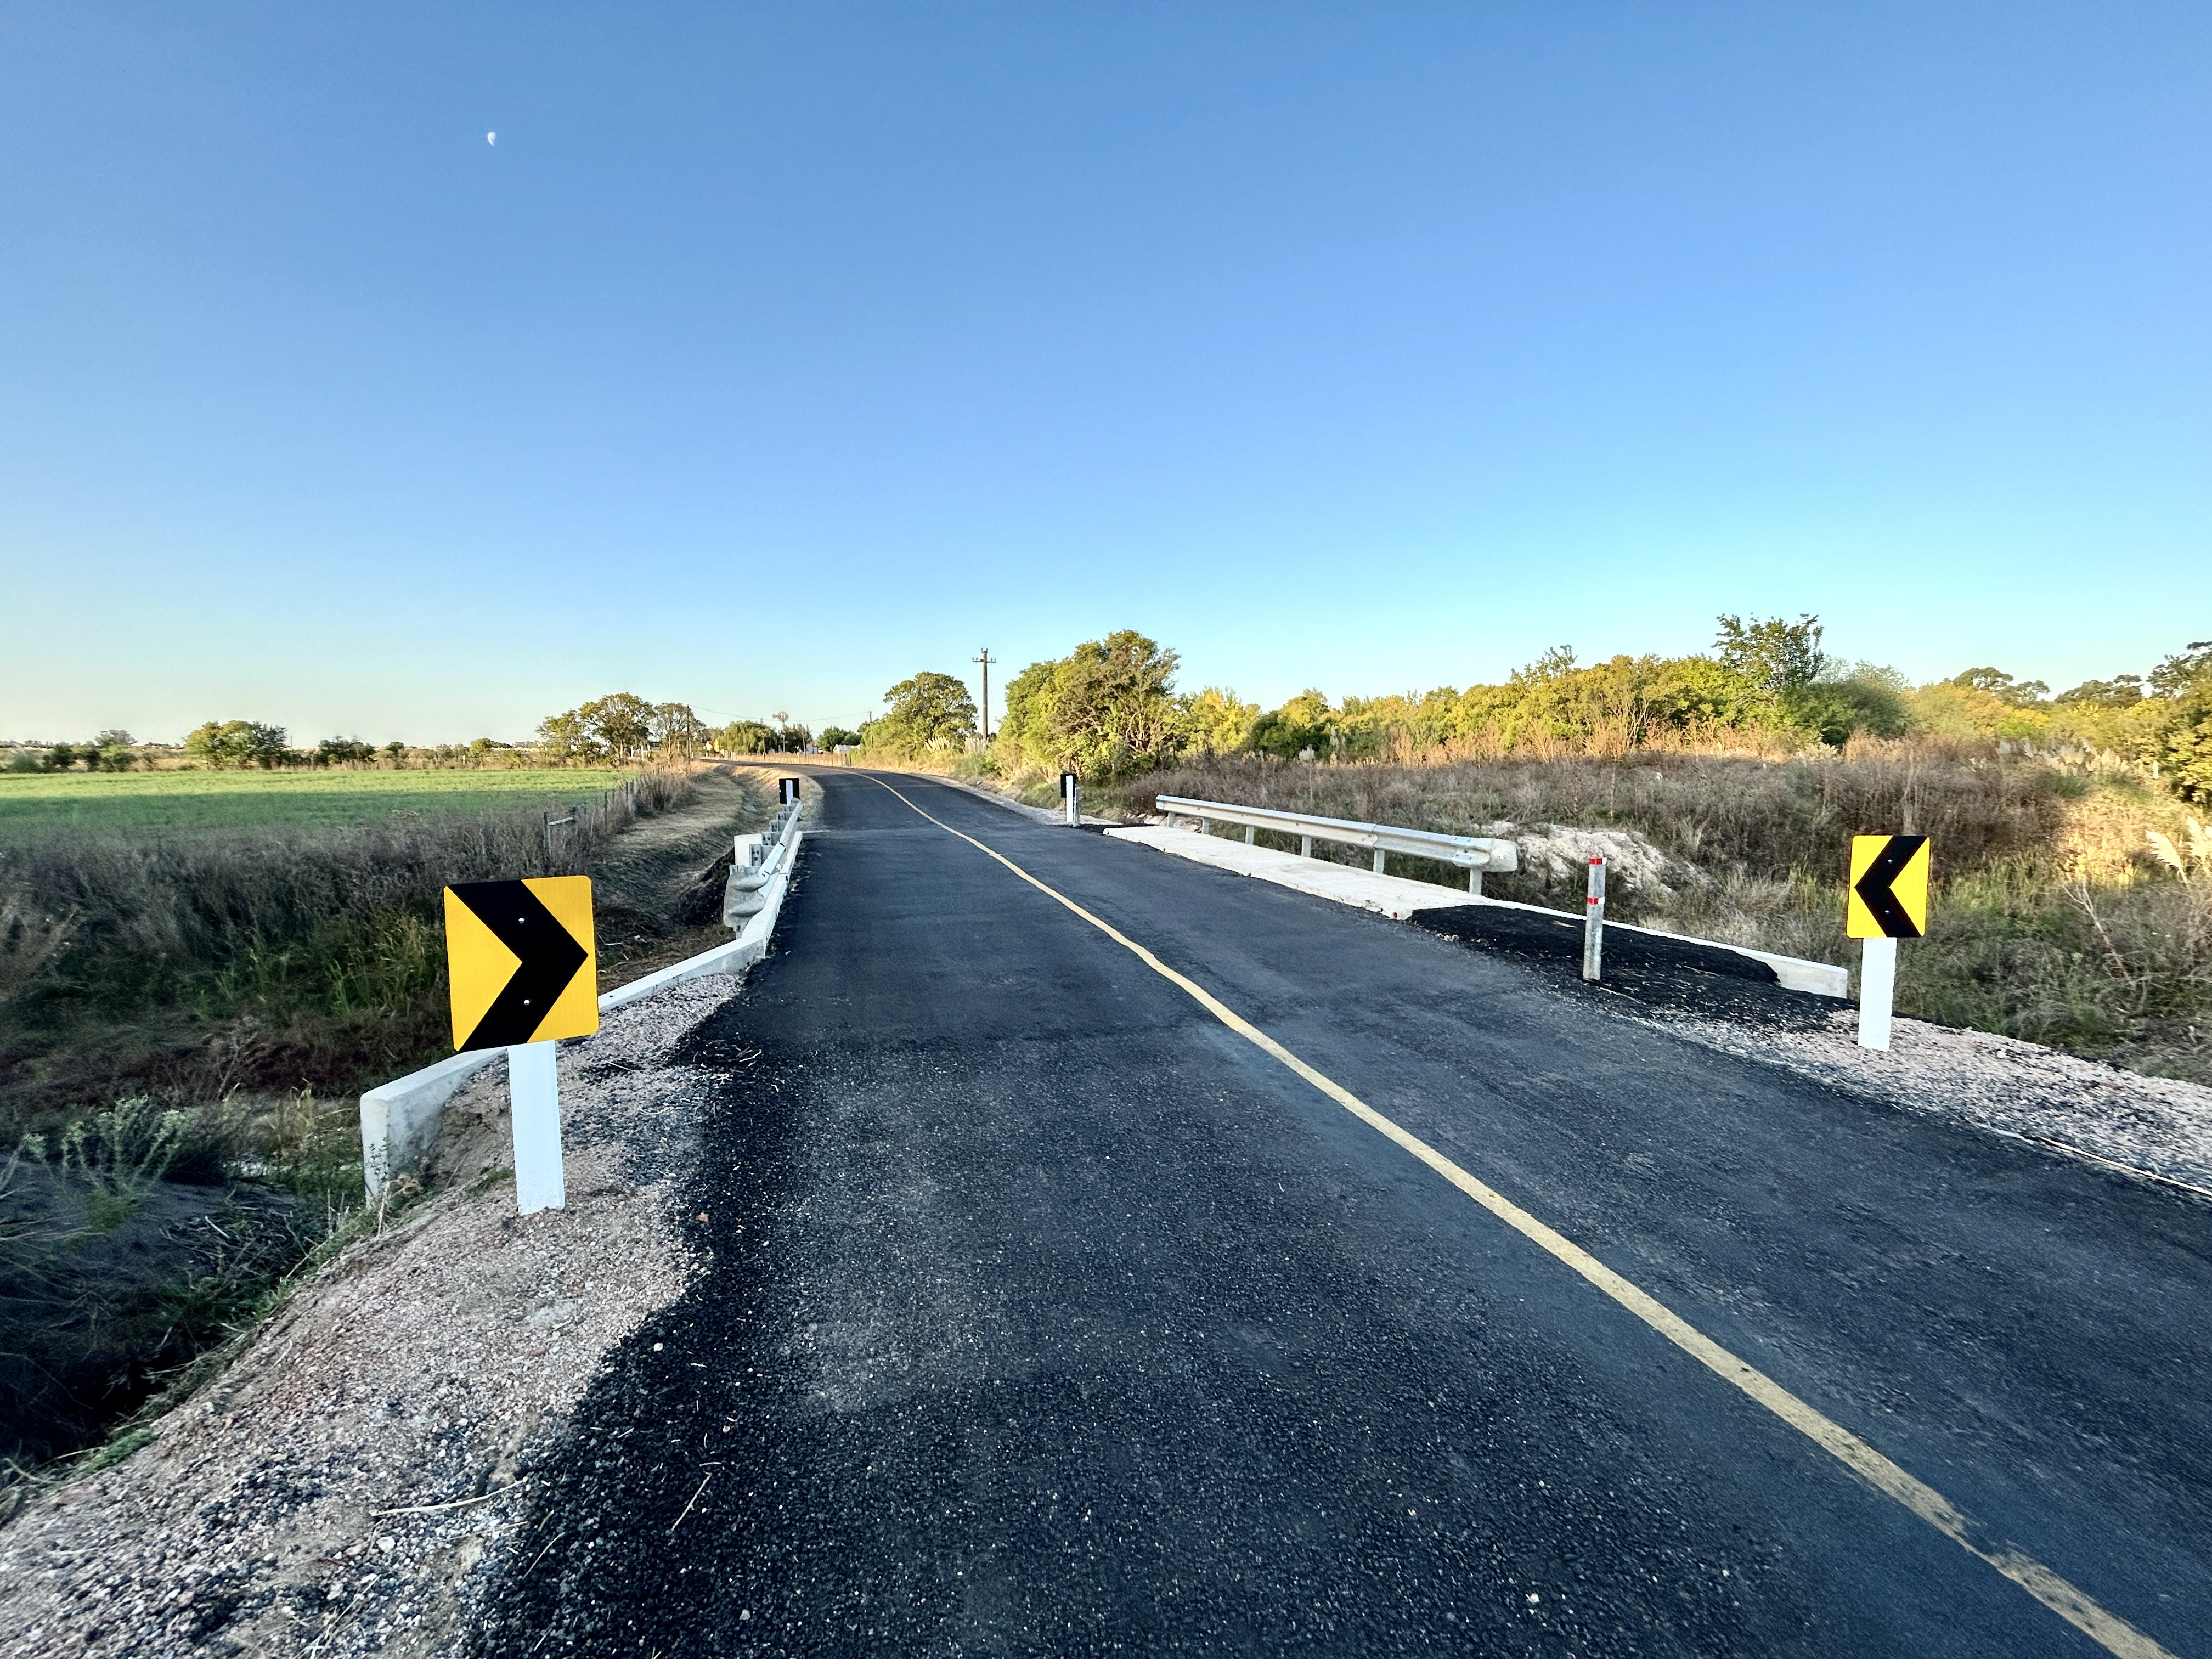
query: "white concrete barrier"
399, 1118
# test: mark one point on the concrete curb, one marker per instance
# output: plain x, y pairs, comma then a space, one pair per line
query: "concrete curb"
399, 1118
1398, 898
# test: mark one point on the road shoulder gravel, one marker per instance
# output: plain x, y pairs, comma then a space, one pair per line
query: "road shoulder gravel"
348, 1485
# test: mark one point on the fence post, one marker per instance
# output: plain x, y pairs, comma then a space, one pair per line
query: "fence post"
1594, 922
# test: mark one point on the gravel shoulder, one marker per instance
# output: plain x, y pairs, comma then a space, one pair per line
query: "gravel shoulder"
348, 1484
2154, 1126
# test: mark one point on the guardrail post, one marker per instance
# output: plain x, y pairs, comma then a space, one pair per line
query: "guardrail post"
1378, 860
1249, 832
1305, 846
1594, 922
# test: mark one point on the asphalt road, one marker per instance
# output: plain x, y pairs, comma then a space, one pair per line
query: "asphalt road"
1047, 1313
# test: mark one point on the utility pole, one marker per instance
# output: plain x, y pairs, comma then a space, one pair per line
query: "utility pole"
985, 661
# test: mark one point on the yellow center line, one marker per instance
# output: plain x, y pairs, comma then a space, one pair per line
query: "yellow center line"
2110, 1631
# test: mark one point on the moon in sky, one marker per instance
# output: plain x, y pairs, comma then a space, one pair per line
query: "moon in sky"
491, 138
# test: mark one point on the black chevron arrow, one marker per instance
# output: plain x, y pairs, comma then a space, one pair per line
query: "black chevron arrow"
1873, 888
549, 953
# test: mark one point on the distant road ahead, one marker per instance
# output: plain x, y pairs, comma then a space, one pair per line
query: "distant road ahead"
1050, 1314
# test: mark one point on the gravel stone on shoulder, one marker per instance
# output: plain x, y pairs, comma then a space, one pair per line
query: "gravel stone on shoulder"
348, 1483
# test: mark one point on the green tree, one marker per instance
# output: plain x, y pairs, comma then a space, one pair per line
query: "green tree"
837, 737
2019, 694
622, 721
1776, 656
61, 756
1026, 727
1687, 693
675, 730
1304, 722
1114, 706
2121, 691
568, 737
930, 711
115, 751
342, 751
744, 737
1215, 721
225, 745
2178, 741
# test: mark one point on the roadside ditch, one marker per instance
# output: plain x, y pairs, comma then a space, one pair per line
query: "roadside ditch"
134, 1255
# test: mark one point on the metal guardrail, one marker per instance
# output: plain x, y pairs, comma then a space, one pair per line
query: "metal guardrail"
754, 861
1473, 853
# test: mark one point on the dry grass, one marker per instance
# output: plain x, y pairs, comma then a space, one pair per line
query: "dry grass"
2055, 918
231, 992
276, 959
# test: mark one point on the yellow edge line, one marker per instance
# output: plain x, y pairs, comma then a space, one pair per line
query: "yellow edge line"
2110, 1631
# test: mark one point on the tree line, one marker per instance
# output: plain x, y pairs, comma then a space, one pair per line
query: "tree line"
622, 727
1110, 707
617, 729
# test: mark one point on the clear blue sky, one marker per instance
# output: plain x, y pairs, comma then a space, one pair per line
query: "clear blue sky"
773, 353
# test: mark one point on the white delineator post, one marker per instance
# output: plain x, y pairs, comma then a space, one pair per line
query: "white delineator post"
1071, 791
1877, 987
1594, 922
533, 1087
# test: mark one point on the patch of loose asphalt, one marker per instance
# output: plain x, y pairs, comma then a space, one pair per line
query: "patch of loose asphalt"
1047, 1315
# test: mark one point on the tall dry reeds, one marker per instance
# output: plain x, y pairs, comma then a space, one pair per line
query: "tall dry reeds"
98, 935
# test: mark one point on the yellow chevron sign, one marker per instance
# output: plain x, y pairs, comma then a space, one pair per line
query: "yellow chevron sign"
1888, 895
522, 961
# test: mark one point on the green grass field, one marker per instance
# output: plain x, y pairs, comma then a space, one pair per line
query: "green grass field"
37, 805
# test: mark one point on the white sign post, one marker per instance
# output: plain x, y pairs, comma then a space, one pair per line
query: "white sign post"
1877, 987
534, 1090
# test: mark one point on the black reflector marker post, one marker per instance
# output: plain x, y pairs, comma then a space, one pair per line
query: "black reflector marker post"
1594, 922
1071, 793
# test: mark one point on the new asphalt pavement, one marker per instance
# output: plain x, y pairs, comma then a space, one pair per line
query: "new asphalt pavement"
1047, 1313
